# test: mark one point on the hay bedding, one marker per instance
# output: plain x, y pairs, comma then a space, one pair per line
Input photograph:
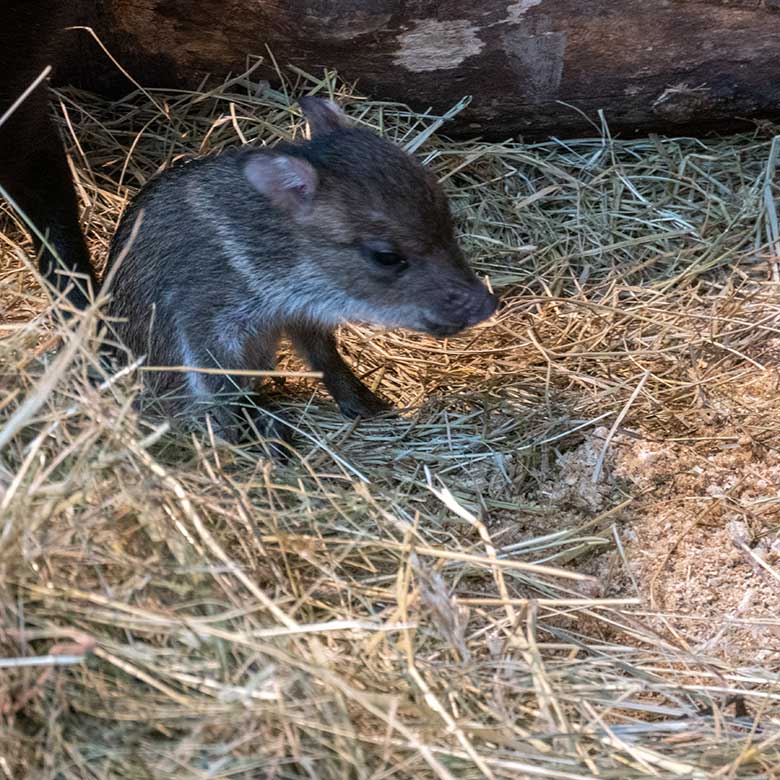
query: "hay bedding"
563, 561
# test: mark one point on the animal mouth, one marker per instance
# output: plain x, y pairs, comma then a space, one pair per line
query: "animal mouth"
442, 329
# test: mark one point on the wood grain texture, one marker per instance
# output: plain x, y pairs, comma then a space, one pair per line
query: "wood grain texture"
665, 65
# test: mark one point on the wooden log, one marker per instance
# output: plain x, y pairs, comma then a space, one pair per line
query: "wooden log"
668, 65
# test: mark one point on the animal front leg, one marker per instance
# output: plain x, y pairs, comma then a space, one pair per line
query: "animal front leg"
38, 180
212, 396
318, 347
256, 416
238, 415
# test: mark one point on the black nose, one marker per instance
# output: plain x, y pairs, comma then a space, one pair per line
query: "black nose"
483, 307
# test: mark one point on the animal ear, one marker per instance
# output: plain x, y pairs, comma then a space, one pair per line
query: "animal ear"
288, 182
323, 115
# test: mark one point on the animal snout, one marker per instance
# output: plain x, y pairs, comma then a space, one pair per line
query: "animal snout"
471, 305
460, 307
482, 305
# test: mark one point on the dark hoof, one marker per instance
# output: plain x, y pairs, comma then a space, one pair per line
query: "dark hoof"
364, 404
271, 435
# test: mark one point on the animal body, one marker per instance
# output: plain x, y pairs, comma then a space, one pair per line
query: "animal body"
33, 167
236, 250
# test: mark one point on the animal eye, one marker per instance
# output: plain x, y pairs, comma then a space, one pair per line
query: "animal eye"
385, 256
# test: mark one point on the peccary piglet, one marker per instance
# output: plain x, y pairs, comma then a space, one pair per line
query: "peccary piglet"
240, 248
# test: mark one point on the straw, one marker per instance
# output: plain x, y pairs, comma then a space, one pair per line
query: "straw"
454, 592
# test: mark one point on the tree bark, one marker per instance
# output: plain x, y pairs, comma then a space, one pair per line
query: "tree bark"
668, 65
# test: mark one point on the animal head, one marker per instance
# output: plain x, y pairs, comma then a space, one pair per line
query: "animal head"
376, 227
